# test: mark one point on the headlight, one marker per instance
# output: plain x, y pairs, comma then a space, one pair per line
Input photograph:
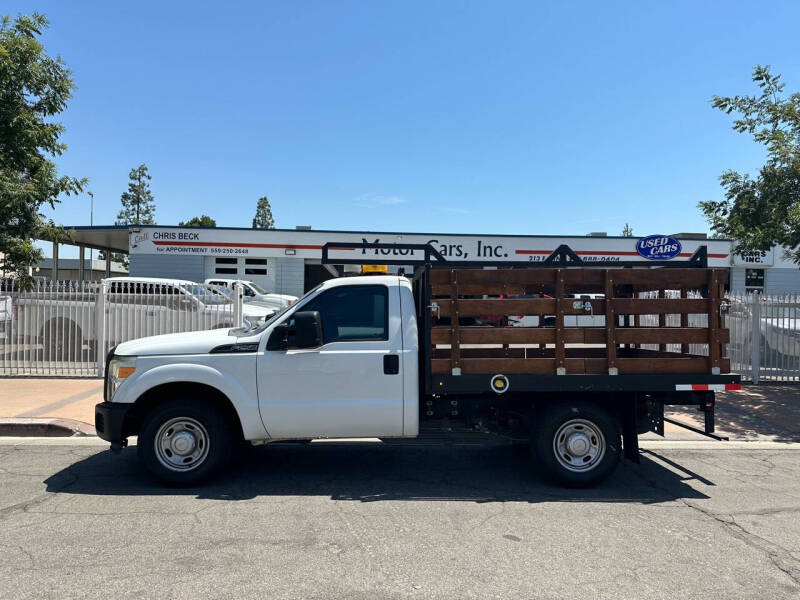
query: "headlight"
119, 370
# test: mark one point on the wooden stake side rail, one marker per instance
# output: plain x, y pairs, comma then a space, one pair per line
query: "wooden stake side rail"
468, 317
584, 280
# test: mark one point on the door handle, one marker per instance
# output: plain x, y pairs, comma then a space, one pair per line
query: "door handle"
391, 364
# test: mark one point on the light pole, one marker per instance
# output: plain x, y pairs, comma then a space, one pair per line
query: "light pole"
91, 224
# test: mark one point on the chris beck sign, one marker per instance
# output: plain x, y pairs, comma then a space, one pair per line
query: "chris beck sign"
454, 248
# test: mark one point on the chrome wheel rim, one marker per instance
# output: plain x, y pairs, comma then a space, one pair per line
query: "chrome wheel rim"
181, 444
579, 445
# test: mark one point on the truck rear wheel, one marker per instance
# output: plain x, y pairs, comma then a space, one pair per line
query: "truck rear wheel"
185, 441
577, 444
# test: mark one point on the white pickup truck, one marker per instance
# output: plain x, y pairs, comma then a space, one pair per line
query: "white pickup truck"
254, 293
64, 320
361, 357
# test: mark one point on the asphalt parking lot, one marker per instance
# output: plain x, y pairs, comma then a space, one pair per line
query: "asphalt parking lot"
357, 520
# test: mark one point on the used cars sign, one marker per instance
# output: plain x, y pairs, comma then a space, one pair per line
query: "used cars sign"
658, 247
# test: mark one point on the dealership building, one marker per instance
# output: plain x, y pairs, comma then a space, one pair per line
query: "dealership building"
289, 260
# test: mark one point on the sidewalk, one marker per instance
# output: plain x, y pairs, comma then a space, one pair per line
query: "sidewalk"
74, 399
767, 412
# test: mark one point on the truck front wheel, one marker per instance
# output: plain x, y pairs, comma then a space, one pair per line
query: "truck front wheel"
185, 441
577, 444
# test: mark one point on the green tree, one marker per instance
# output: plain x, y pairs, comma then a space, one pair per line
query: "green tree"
263, 218
201, 221
763, 210
34, 87
627, 231
138, 206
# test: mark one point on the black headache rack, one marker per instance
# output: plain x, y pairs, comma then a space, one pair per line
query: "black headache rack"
424, 257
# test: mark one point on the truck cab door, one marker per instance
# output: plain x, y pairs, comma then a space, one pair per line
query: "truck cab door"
349, 386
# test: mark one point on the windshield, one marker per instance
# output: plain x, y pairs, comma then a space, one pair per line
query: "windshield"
206, 295
257, 287
278, 315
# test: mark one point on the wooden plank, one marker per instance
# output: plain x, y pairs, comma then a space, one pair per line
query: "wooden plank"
502, 335
494, 276
667, 335
611, 320
654, 306
490, 366
648, 279
662, 365
498, 307
481, 289
584, 335
586, 366
530, 335
441, 335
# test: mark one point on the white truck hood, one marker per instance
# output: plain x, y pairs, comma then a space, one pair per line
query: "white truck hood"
193, 342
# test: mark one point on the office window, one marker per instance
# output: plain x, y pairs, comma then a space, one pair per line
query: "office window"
255, 261
226, 271
255, 271
754, 278
227, 261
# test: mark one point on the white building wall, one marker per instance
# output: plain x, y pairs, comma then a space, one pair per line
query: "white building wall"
782, 281
737, 280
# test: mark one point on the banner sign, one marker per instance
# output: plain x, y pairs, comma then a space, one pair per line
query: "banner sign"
261, 243
761, 258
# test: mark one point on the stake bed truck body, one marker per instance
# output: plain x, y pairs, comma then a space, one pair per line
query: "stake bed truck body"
439, 353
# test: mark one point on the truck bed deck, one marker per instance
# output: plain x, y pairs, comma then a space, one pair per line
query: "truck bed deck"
557, 327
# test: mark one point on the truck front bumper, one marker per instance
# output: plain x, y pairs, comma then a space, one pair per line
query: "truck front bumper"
109, 422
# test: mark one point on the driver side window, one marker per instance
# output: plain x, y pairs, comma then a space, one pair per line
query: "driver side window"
353, 313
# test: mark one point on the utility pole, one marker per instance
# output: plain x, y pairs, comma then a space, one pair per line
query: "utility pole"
91, 224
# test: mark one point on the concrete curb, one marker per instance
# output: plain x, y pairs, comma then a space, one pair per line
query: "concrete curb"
44, 427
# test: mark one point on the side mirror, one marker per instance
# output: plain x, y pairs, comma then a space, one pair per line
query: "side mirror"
279, 338
307, 329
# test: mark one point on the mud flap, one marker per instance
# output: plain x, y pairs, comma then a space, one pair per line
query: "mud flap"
630, 436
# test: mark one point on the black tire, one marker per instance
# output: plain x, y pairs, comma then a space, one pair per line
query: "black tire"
214, 440
582, 419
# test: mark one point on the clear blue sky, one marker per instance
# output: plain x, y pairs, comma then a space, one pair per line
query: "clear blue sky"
490, 117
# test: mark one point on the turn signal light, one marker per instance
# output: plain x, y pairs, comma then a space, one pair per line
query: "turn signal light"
125, 372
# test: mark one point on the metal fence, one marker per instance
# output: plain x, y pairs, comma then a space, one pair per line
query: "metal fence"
765, 336
67, 328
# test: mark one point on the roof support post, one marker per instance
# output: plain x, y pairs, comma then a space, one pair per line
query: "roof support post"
108, 264
81, 260
54, 270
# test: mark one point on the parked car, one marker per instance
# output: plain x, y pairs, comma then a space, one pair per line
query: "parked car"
780, 326
65, 320
254, 293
